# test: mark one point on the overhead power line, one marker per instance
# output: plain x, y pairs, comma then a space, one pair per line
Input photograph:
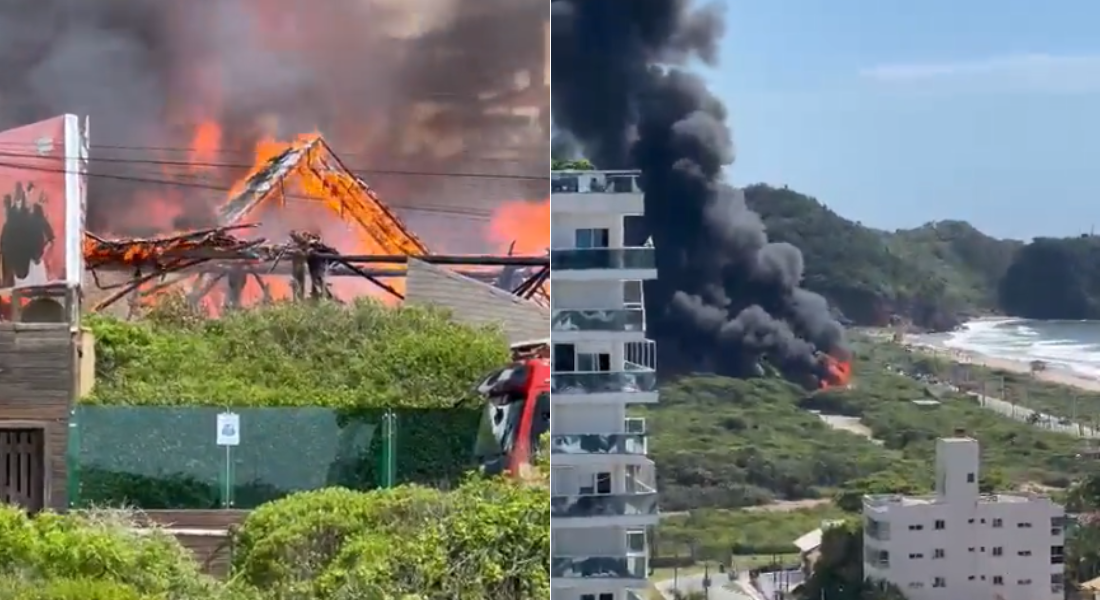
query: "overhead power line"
215, 165
221, 188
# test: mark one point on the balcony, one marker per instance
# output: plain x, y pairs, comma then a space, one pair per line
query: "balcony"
597, 192
599, 567
586, 259
639, 385
643, 504
595, 182
599, 443
598, 325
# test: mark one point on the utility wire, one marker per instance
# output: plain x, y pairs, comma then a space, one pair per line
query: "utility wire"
183, 163
244, 151
224, 189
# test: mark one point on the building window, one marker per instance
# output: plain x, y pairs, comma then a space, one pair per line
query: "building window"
998, 523
916, 585
594, 362
632, 294
938, 553
970, 521
970, 578
970, 478
939, 582
607, 596
565, 358
998, 580
1024, 553
1023, 582
603, 483
592, 238
1024, 525
588, 596
940, 524
1057, 555
635, 541
1057, 583
916, 527
970, 549
916, 555
998, 551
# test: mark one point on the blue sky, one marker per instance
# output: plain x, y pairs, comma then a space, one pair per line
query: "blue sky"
896, 113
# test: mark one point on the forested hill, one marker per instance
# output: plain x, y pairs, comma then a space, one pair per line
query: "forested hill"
933, 276
1054, 278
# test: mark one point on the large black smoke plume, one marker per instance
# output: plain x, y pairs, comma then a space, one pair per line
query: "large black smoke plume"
387, 81
727, 300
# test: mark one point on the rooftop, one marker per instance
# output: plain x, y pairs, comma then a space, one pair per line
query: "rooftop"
888, 500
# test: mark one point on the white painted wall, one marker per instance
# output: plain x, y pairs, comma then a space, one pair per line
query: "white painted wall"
565, 225
587, 295
1008, 536
580, 418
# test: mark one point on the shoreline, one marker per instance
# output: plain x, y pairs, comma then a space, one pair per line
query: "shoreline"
1053, 374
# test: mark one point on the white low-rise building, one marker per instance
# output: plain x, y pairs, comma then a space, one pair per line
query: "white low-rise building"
960, 544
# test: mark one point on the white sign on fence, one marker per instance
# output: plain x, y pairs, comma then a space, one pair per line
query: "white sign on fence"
229, 429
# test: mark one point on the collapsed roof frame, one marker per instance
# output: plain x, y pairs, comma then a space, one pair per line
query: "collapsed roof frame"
208, 257
219, 254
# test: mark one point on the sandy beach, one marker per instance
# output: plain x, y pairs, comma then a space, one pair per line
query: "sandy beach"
1052, 374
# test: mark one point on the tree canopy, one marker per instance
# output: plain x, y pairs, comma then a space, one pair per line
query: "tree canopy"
1054, 279
292, 354
581, 164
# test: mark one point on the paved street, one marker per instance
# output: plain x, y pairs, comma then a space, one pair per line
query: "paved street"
1048, 422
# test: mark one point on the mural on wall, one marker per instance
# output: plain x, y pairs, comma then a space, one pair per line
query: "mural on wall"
42, 181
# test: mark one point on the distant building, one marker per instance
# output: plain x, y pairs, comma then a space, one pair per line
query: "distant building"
960, 543
604, 494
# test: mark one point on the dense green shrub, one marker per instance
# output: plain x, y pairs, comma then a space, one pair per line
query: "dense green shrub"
489, 538
292, 354
95, 545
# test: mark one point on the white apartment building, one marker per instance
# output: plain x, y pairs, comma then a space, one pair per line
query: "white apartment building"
960, 544
603, 485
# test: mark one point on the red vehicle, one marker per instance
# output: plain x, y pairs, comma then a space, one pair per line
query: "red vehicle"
517, 411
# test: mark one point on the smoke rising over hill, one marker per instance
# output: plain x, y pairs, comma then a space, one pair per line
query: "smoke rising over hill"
380, 78
726, 297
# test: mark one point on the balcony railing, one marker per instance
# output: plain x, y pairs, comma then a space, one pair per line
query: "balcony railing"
579, 259
598, 567
626, 382
627, 319
598, 443
604, 505
594, 182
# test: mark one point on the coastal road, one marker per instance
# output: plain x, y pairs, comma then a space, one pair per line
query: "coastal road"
1048, 422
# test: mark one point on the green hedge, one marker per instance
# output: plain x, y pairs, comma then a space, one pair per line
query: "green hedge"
293, 354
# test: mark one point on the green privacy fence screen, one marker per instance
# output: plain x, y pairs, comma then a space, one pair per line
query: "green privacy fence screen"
169, 457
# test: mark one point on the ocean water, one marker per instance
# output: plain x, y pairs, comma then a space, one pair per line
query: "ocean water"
1071, 345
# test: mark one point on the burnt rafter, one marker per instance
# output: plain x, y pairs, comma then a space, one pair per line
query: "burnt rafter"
219, 253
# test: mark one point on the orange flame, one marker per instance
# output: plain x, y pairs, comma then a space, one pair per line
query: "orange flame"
525, 223
839, 372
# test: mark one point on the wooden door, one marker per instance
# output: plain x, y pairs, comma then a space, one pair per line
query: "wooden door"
22, 468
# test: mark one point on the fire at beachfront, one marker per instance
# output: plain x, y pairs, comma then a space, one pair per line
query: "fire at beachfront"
313, 228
